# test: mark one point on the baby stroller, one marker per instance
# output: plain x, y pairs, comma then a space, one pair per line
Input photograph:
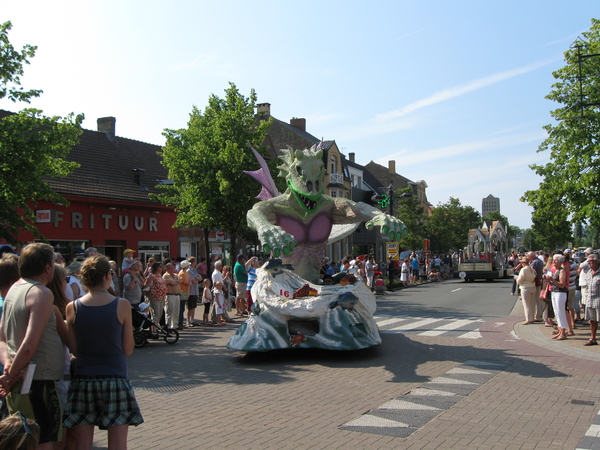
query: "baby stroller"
141, 327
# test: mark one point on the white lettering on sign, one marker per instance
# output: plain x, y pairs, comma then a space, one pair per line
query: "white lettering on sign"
76, 220
106, 218
57, 218
123, 222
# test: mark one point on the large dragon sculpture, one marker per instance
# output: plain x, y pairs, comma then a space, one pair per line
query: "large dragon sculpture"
290, 307
296, 225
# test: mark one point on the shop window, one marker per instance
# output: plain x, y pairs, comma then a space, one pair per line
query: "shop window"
70, 250
159, 250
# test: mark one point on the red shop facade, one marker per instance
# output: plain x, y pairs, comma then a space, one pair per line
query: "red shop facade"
110, 203
109, 226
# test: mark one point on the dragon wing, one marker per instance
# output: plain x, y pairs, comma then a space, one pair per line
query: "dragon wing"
263, 176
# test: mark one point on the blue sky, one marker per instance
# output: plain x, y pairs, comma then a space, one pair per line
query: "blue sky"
453, 91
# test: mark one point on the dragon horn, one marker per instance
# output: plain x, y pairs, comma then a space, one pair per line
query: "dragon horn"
263, 176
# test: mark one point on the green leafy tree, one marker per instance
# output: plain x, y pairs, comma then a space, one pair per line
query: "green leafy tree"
571, 180
32, 147
449, 225
410, 211
550, 232
528, 241
206, 161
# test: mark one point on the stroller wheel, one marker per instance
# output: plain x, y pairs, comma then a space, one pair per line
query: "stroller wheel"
172, 336
139, 339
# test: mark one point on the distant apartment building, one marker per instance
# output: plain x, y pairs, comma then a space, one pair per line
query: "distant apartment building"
489, 204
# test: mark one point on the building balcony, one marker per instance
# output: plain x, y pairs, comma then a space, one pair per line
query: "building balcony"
336, 178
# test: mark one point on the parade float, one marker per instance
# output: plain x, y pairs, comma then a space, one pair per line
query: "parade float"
485, 255
291, 308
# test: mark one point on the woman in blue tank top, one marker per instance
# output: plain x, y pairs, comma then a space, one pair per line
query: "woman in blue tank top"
101, 336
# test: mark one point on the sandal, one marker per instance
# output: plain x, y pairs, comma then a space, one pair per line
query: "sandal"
570, 333
555, 332
590, 342
562, 337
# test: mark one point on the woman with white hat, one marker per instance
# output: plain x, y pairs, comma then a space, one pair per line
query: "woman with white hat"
74, 270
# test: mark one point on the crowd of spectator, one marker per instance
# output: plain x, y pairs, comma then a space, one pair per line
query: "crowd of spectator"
560, 290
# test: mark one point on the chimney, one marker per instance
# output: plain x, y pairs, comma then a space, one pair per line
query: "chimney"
392, 167
351, 156
107, 126
298, 123
263, 109
139, 178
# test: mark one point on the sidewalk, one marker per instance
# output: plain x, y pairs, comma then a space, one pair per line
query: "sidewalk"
541, 335
198, 394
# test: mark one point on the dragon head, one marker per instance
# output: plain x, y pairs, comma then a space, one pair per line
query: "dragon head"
304, 173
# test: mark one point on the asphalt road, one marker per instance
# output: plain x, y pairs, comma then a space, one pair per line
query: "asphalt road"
452, 297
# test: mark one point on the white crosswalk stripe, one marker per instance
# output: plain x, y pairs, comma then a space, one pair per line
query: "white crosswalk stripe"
422, 326
447, 327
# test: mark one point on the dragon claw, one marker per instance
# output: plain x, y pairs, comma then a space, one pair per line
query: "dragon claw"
276, 253
286, 251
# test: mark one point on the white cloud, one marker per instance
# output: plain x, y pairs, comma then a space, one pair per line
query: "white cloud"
415, 156
456, 91
570, 38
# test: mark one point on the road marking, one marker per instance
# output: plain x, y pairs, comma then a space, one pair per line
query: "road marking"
514, 336
448, 327
405, 414
471, 335
456, 290
375, 422
414, 325
383, 323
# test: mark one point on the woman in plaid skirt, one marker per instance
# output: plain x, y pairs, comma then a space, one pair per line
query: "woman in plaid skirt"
101, 336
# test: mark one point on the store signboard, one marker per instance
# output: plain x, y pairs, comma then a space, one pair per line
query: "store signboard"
43, 216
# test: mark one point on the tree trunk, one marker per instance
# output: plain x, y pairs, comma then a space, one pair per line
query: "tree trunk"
206, 232
233, 250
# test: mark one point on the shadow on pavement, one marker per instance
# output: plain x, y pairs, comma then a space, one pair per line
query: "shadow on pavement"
201, 358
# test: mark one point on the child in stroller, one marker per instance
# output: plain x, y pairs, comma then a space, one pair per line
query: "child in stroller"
142, 321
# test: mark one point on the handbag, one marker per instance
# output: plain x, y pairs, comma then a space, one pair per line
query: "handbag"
538, 282
544, 292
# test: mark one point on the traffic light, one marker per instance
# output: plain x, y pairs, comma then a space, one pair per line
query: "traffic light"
383, 200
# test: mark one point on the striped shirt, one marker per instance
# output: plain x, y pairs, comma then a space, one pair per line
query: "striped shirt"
593, 283
251, 278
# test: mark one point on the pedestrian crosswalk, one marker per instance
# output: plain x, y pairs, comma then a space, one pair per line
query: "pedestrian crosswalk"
430, 326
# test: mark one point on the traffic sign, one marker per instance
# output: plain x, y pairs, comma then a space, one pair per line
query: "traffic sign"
393, 250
